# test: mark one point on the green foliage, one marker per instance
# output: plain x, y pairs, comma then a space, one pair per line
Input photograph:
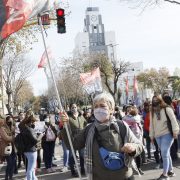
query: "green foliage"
155, 79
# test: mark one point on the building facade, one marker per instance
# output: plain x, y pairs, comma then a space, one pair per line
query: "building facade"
94, 38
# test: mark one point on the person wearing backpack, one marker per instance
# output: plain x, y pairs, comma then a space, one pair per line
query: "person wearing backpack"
48, 144
110, 146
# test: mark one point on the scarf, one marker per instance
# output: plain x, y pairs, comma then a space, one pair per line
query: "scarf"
89, 145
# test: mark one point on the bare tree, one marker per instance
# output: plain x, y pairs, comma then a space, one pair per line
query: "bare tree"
16, 70
23, 96
147, 3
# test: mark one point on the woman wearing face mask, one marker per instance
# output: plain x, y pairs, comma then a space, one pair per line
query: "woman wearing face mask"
106, 133
48, 144
30, 140
7, 134
159, 131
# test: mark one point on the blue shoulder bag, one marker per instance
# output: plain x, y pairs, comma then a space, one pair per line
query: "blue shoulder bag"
114, 160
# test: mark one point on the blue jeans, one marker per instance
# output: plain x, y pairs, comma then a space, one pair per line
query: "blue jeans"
32, 160
164, 142
65, 154
11, 160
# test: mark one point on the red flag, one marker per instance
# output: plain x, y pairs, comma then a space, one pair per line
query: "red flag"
127, 86
43, 61
91, 81
90, 76
135, 87
15, 13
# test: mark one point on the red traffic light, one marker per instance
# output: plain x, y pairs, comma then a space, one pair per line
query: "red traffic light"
60, 12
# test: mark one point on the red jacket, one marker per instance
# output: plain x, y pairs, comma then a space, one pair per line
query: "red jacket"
147, 121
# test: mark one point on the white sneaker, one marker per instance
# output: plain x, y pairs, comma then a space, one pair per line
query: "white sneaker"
64, 169
53, 170
49, 170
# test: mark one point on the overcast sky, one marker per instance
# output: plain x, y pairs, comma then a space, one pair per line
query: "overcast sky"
152, 37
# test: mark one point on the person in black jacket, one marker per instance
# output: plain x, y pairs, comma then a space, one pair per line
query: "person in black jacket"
30, 139
48, 144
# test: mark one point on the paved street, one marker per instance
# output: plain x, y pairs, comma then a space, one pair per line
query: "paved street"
150, 173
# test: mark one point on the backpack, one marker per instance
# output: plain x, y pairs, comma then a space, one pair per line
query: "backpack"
50, 136
19, 143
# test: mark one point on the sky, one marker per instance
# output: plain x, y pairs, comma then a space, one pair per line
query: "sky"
151, 36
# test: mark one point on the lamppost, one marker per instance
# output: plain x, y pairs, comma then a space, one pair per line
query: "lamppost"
112, 54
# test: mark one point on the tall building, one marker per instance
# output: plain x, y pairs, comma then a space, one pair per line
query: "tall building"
94, 39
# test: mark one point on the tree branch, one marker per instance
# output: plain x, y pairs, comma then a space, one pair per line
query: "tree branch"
175, 2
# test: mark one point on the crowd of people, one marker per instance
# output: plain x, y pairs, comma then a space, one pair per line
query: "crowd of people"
108, 141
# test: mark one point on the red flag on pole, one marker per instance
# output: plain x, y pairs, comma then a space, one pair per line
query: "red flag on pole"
43, 61
91, 81
127, 86
15, 13
135, 87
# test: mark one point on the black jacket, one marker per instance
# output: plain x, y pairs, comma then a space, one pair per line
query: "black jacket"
30, 139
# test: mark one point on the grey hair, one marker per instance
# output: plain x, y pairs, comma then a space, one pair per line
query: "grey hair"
107, 97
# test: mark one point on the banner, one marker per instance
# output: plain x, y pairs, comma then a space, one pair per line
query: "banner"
43, 61
127, 89
135, 88
15, 13
91, 81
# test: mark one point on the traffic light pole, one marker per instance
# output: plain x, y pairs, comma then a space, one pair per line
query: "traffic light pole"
58, 98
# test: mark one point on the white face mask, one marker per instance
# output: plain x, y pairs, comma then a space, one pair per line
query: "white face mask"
101, 114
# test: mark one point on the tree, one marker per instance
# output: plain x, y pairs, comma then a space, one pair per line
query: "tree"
23, 97
146, 3
16, 70
154, 79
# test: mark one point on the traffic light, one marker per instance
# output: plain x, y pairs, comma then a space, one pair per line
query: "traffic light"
61, 28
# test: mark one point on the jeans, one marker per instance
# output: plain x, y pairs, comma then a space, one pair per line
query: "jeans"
32, 160
11, 160
39, 158
72, 162
164, 142
148, 143
65, 154
48, 149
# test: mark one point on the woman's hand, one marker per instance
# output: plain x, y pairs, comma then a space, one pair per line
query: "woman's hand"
128, 148
64, 117
175, 136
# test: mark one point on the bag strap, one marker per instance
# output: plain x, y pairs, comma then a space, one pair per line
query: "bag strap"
122, 130
167, 116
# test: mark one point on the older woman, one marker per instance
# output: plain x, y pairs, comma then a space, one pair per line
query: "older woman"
104, 135
159, 131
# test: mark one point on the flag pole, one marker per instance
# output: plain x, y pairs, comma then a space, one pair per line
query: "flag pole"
58, 97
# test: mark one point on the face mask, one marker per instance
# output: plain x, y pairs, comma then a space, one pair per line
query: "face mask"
74, 110
32, 126
9, 123
167, 100
155, 103
101, 114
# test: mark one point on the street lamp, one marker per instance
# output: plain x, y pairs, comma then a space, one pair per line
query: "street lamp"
112, 46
